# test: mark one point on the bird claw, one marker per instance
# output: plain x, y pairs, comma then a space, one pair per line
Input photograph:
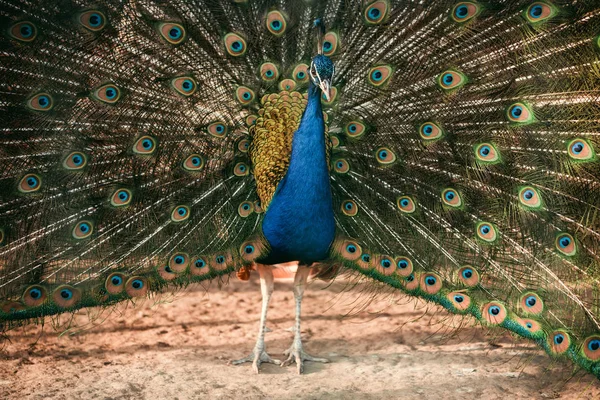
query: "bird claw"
297, 355
257, 357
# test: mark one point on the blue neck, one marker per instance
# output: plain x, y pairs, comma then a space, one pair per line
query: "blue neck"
299, 223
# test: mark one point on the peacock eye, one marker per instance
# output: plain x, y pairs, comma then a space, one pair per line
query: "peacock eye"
486, 232
300, 73
380, 75
75, 161
385, 156
276, 23
194, 162
269, 71
24, 31
145, 145
349, 208
121, 198
82, 230
520, 113
376, 12
341, 166
30, 183
185, 85
92, 20
235, 45
581, 150
565, 244
451, 198
486, 153
465, 11
245, 209
244, 95
108, 93
451, 80
540, 11
430, 131
330, 43
180, 213
40, 102
217, 129
172, 32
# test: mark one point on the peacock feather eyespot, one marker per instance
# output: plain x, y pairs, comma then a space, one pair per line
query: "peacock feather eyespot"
494, 312
287, 84
180, 213
451, 80
217, 129
412, 281
581, 150
451, 198
520, 113
75, 161
121, 198
108, 93
30, 183
276, 23
459, 300
540, 11
178, 262
199, 266
430, 283
40, 102
341, 166
380, 75
172, 32
145, 145
531, 303
23, 31
235, 45
565, 244
194, 163
335, 141
333, 93
241, 169
269, 72
166, 273
531, 325
486, 232
251, 119
406, 204
300, 73
349, 208
465, 11
385, 265
376, 11
331, 42
82, 230
468, 276
258, 208
530, 198
385, 156
244, 95
66, 296
136, 286
245, 209
355, 129
349, 249
221, 261
115, 283
34, 296
184, 85
404, 266
92, 20
559, 342
591, 348
486, 153
430, 131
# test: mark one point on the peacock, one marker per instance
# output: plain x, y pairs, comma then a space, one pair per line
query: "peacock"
442, 149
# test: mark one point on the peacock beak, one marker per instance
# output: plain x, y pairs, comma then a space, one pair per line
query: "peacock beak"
326, 88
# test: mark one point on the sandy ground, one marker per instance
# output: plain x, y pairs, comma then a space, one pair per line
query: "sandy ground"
179, 350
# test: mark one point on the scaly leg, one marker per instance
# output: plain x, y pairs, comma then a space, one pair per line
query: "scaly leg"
259, 354
296, 353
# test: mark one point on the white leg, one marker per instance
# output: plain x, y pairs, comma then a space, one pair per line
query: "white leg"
296, 353
259, 354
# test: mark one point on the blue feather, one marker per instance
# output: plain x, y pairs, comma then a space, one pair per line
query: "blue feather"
299, 224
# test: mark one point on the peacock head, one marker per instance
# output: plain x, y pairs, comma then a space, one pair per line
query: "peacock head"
321, 73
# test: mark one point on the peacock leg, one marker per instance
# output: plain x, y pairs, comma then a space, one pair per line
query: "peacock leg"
259, 354
296, 353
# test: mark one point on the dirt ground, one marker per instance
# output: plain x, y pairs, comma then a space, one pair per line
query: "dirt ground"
179, 349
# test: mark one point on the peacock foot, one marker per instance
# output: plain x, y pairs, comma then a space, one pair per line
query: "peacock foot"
296, 354
257, 357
